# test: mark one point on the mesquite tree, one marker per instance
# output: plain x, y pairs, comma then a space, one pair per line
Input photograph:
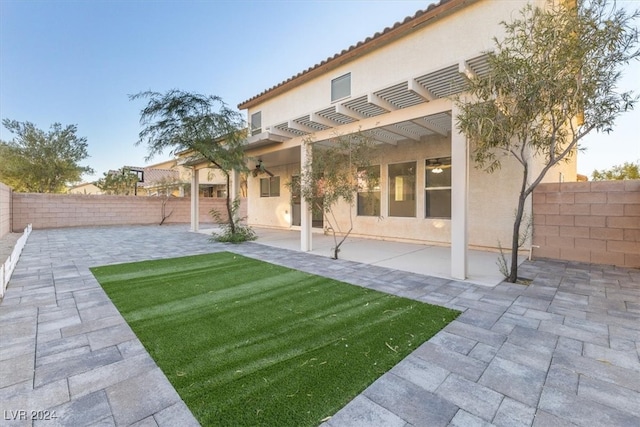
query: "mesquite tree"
551, 81
203, 126
335, 173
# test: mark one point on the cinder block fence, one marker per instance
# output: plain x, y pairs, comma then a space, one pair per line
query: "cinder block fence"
64, 210
595, 222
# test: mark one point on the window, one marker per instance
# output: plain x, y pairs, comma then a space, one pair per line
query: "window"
369, 191
270, 187
256, 123
341, 87
215, 190
402, 189
437, 188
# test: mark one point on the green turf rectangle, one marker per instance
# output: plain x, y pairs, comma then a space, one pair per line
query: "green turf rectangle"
245, 342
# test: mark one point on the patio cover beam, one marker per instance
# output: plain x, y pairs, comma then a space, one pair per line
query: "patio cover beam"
402, 115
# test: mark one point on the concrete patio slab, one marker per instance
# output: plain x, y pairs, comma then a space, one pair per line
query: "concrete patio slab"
412, 257
564, 350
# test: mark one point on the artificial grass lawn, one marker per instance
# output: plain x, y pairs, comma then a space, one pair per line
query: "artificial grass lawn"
245, 342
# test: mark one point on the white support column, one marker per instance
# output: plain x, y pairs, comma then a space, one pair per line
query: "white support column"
306, 217
235, 188
459, 201
195, 199
235, 184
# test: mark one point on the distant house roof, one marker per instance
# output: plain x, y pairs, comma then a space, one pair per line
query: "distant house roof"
153, 177
399, 29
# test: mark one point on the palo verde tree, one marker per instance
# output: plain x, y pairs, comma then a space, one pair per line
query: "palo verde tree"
627, 170
336, 172
551, 81
36, 161
202, 126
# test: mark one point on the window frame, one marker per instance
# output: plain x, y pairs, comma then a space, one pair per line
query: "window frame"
256, 129
427, 189
394, 184
273, 186
336, 95
363, 189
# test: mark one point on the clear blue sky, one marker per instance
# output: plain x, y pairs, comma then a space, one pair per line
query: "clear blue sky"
76, 62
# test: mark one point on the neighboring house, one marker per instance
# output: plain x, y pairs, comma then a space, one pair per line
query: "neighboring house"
171, 177
167, 178
84, 188
396, 86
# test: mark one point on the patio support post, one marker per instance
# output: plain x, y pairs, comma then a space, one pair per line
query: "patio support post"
195, 202
235, 184
306, 217
459, 200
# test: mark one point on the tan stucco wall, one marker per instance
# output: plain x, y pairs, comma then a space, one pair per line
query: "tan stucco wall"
435, 45
271, 211
462, 35
87, 188
492, 200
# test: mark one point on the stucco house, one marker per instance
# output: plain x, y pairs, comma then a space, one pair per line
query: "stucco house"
396, 86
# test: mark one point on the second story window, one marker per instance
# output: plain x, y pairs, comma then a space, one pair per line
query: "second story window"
256, 123
341, 87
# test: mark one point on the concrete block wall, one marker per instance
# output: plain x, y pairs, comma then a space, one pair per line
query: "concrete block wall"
595, 222
5, 209
65, 210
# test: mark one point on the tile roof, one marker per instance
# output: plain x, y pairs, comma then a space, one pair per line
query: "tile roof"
400, 28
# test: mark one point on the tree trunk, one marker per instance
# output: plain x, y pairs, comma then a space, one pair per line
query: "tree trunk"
232, 224
515, 241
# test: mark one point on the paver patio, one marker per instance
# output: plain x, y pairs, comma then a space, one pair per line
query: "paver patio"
562, 351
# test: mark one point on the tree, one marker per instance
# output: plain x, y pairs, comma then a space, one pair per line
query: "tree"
627, 170
551, 81
121, 182
42, 162
336, 172
201, 125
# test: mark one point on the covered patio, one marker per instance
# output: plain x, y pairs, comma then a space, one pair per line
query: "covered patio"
428, 260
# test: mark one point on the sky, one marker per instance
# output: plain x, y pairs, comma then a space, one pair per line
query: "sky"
77, 62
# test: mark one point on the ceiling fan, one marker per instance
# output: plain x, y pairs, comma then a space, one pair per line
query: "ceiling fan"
438, 165
260, 169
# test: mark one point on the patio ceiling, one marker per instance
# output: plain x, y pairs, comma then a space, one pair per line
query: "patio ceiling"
424, 88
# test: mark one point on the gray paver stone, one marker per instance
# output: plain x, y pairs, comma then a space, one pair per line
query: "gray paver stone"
515, 380
75, 365
475, 333
420, 372
176, 414
512, 413
470, 396
583, 411
362, 412
610, 394
410, 402
453, 342
124, 397
85, 411
452, 361
465, 419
